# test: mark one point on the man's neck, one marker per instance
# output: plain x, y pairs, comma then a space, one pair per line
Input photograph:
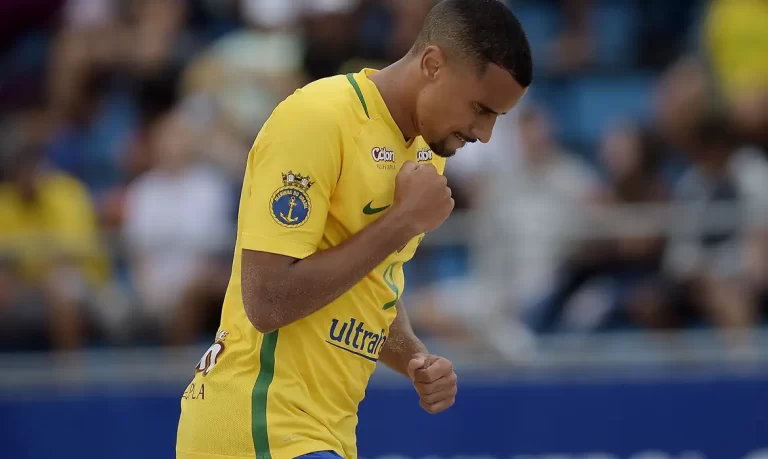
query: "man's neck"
398, 94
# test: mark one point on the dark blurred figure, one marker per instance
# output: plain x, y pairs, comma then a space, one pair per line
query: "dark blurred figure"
18, 18
664, 31
386, 30
88, 143
53, 266
574, 48
28, 125
330, 37
631, 157
138, 39
113, 65
26, 28
716, 246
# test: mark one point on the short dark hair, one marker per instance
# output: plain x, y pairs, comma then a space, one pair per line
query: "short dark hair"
485, 31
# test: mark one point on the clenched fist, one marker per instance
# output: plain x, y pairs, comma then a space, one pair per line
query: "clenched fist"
422, 197
434, 380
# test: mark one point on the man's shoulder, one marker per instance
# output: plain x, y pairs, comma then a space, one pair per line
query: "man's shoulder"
329, 101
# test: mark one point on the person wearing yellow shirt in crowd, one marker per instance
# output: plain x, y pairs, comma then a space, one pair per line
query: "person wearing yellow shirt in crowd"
736, 41
49, 250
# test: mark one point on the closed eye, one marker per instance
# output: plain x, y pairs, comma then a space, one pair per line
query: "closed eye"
484, 110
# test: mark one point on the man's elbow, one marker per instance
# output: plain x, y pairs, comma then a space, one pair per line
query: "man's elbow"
261, 312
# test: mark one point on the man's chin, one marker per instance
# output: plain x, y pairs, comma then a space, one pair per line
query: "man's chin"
441, 150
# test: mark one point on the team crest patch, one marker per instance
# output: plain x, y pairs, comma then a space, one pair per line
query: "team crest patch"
290, 205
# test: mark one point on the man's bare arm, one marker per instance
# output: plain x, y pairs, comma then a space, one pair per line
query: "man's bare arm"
279, 290
433, 376
402, 343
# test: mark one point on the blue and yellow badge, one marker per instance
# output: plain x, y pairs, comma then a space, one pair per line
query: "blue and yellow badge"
290, 205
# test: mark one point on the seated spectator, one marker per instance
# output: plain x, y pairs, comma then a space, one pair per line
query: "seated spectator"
664, 31
725, 194
631, 158
736, 42
88, 144
54, 268
575, 47
682, 92
177, 226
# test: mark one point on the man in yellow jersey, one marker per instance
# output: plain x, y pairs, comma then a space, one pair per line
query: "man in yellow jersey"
341, 185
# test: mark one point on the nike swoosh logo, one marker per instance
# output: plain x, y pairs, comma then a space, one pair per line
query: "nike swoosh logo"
368, 210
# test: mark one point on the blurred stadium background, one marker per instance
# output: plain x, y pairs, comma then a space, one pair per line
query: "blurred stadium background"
602, 286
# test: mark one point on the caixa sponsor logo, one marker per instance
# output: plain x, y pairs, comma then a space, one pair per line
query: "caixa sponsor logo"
757, 454
381, 154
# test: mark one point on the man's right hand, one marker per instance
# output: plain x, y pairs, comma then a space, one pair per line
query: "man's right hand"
422, 197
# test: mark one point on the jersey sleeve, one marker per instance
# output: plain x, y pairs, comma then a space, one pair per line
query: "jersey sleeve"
292, 171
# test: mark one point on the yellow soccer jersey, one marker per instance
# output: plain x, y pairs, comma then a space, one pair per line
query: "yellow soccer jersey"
737, 40
322, 169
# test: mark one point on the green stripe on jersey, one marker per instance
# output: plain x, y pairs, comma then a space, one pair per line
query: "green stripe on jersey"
259, 396
359, 92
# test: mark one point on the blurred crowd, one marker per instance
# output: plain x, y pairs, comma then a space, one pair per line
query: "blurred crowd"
630, 189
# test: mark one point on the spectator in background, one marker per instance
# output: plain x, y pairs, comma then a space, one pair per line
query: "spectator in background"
234, 84
28, 125
632, 160
574, 48
547, 191
708, 261
736, 41
54, 267
682, 93
525, 214
138, 40
177, 227
408, 18
88, 143
153, 98
330, 37
664, 31
111, 64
